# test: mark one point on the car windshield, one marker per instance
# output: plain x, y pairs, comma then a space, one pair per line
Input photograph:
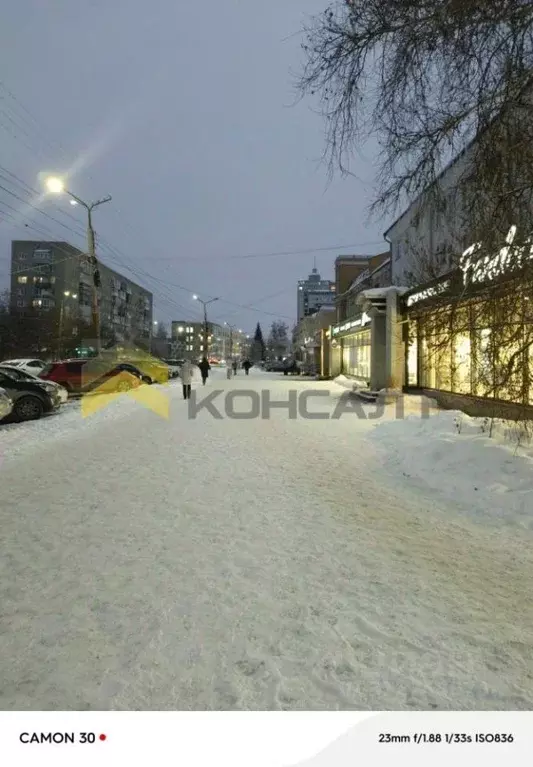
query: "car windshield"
6, 377
16, 373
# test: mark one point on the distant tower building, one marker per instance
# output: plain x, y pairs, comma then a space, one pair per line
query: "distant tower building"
313, 293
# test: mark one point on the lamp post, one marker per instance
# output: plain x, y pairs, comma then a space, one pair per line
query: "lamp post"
66, 294
206, 326
231, 329
55, 185
152, 326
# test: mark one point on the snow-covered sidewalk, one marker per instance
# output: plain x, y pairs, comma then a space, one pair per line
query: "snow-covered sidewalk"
249, 564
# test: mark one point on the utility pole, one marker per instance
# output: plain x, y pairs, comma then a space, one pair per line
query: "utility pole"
206, 324
230, 360
206, 334
66, 294
91, 247
56, 186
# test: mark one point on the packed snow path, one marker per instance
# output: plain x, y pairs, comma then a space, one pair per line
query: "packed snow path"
247, 564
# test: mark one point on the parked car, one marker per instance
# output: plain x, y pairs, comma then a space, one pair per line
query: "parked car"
173, 367
152, 370
6, 404
29, 365
21, 375
275, 367
31, 399
291, 368
85, 376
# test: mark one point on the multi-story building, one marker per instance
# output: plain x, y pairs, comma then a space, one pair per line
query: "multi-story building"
358, 336
224, 342
57, 276
352, 274
313, 293
428, 235
187, 339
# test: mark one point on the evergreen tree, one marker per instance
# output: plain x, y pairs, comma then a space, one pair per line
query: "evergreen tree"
258, 345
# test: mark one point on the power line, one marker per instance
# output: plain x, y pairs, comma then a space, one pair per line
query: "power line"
304, 251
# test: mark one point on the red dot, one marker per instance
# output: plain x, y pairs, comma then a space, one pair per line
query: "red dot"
103, 737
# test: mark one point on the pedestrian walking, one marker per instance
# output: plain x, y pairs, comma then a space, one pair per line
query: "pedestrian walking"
247, 365
187, 375
205, 367
234, 366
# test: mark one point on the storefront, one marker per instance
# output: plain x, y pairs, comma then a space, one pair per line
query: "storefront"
353, 339
474, 339
369, 347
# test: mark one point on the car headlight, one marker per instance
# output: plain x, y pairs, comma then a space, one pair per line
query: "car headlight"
47, 386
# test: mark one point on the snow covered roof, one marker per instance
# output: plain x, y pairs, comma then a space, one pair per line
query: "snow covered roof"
377, 297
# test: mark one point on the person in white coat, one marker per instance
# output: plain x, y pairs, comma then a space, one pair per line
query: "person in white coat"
187, 371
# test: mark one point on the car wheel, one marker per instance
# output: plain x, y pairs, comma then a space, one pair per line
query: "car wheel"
147, 380
28, 408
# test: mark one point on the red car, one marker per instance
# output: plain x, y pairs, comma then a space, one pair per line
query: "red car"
83, 376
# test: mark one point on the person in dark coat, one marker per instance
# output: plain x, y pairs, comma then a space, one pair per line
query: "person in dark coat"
247, 365
234, 365
205, 367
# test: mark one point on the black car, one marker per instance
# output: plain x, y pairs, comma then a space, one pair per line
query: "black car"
291, 368
277, 366
31, 399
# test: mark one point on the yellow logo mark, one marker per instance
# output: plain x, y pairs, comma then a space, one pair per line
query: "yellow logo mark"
102, 385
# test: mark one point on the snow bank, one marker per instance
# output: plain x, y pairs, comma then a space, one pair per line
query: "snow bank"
453, 454
348, 383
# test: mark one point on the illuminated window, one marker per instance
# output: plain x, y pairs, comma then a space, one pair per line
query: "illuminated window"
462, 364
412, 363
22, 280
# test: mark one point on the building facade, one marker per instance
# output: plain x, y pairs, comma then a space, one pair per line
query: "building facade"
427, 237
470, 336
363, 334
308, 339
187, 341
313, 293
57, 276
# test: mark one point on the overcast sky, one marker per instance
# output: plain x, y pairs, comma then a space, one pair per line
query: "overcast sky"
184, 112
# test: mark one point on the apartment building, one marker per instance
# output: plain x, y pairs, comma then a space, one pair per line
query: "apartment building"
187, 341
48, 276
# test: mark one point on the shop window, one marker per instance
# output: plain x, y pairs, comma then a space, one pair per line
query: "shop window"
485, 364
462, 364
412, 362
356, 357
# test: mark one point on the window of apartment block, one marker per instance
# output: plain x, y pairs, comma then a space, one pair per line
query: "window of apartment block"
22, 280
42, 254
21, 303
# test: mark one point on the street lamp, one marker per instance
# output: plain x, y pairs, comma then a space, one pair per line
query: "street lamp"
56, 185
66, 294
206, 327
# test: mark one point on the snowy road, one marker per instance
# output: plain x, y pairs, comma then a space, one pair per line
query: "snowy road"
247, 564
